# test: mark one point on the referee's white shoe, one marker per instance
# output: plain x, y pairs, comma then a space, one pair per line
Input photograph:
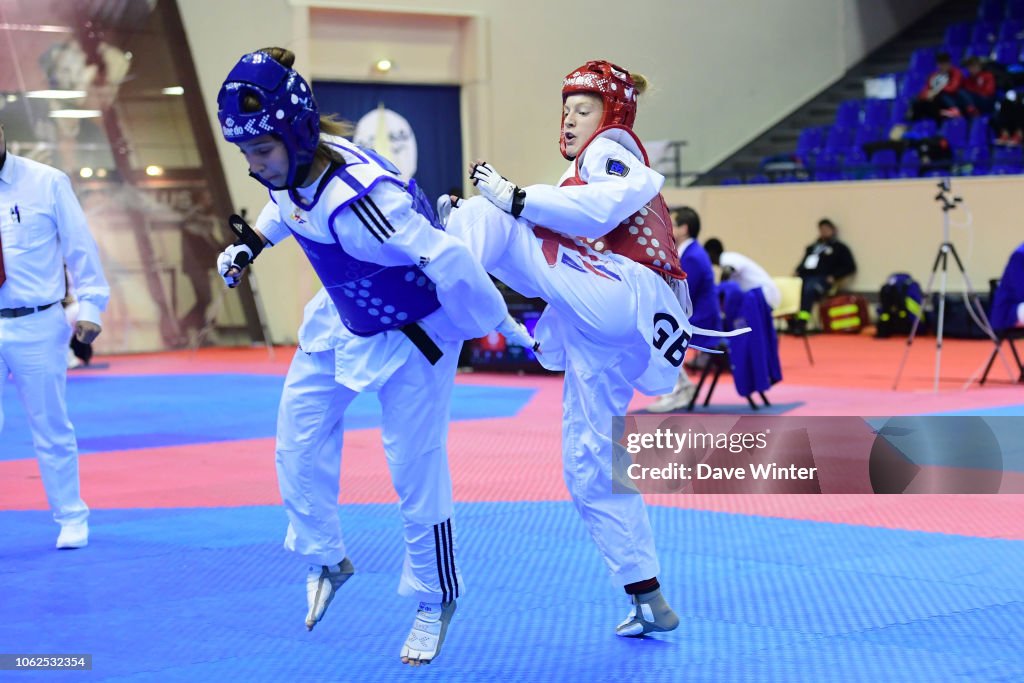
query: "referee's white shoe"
322, 582
428, 630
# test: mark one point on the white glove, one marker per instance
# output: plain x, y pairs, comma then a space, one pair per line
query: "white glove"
445, 206
232, 273
516, 333
501, 192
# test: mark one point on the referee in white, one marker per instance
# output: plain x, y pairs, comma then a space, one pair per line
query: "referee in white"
42, 228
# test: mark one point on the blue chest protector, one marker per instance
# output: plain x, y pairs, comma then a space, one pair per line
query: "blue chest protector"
371, 298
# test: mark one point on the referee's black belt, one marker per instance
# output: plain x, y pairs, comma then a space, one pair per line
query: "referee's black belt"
423, 342
24, 310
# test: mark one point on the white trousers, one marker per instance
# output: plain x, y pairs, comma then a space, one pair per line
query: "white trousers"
598, 323
33, 350
416, 402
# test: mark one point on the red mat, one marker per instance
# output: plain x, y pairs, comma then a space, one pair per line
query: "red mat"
518, 459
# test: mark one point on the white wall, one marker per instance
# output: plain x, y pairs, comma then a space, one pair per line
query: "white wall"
722, 71
891, 226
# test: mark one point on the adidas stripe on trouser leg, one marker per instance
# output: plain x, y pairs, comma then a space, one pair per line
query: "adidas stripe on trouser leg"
416, 408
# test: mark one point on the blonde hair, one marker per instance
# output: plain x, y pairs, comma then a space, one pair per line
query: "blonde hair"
641, 83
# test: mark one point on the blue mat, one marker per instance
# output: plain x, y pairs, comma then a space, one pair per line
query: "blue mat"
741, 408
997, 411
120, 413
200, 595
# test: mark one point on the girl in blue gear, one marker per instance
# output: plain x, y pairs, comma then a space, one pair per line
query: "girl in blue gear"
399, 297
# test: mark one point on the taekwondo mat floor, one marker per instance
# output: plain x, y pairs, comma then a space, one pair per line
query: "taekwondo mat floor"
184, 578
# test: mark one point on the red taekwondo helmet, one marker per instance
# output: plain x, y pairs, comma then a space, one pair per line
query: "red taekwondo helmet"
612, 84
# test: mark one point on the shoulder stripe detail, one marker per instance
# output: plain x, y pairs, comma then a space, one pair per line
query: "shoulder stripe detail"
382, 220
363, 214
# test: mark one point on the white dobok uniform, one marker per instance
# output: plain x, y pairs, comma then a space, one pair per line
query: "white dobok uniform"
612, 324
367, 211
42, 229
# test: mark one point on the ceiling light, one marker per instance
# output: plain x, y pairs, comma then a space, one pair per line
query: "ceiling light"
154, 170
174, 90
383, 66
75, 114
85, 172
55, 94
43, 28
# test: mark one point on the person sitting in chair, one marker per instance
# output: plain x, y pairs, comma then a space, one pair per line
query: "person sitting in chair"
1008, 300
825, 262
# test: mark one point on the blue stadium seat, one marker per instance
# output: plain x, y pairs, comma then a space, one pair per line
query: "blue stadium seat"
985, 31
980, 135
1006, 168
809, 143
1010, 29
900, 109
867, 134
981, 50
1014, 9
956, 52
884, 160
1008, 155
955, 131
1007, 52
877, 113
959, 34
990, 10
825, 164
977, 159
910, 159
855, 157
922, 59
848, 113
838, 139
926, 128
981, 167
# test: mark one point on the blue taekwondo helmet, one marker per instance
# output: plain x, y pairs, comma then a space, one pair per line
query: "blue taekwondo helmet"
286, 111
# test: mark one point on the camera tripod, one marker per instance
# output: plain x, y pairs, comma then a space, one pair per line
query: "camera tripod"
941, 266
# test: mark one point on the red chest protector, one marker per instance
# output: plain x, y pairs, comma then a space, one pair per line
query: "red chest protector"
646, 236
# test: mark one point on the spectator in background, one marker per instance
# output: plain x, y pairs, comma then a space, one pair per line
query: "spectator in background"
938, 98
978, 95
1008, 122
700, 280
825, 262
743, 271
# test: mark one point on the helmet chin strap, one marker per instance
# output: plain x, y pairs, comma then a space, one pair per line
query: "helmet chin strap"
300, 173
